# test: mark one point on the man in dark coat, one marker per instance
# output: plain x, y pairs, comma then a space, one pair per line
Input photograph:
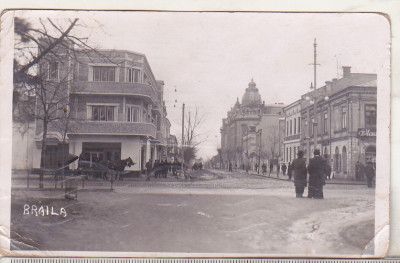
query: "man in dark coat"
148, 170
284, 167
271, 167
290, 171
370, 173
317, 169
299, 168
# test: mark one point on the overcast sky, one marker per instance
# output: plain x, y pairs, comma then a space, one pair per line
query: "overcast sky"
210, 58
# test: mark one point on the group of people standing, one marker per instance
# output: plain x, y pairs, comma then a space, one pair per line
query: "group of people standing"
318, 169
368, 171
160, 169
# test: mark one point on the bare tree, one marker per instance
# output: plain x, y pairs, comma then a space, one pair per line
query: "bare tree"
192, 137
39, 54
273, 140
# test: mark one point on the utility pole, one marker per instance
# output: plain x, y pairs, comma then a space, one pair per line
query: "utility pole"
183, 137
315, 124
259, 154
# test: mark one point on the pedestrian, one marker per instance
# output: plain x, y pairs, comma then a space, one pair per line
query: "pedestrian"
230, 166
290, 171
247, 168
328, 168
358, 171
317, 170
264, 168
299, 169
148, 170
278, 167
271, 167
284, 167
257, 168
370, 173
361, 171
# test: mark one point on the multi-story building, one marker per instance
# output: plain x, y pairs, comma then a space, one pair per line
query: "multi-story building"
345, 121
292, 131
246, 121
115, 105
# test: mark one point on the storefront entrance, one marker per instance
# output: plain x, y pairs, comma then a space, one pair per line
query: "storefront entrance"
370, 154
97, 152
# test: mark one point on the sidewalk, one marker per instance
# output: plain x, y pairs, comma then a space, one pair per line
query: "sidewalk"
284, 177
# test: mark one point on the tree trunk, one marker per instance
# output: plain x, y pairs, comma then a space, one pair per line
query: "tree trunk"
43, 155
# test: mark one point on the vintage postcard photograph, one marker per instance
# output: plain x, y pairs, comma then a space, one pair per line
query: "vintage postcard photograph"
235, 134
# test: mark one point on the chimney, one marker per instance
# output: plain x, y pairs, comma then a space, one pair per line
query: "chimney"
346, 72
328, 85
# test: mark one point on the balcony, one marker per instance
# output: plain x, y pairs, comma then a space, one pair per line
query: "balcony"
112, 128
114, 88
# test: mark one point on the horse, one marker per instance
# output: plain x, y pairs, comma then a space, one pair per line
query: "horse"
119, 166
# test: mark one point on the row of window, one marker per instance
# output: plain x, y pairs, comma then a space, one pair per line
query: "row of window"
108, 113
340, 119
293, 126
103, 74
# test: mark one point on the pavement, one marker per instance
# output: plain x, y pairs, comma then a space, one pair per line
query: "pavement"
171, 216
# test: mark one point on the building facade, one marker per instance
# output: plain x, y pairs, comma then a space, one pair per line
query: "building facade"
345, 121
249, 130
292, 131
115, 109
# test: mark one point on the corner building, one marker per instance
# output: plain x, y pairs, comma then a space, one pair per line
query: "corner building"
117, 109
345, 121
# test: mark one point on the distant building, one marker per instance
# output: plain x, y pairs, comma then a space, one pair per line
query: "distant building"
245, 122
117, 109
345, 121
292, 131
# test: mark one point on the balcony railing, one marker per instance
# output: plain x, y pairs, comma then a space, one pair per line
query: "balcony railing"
114, 88
112, 128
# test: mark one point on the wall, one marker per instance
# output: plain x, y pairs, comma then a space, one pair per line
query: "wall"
22, 146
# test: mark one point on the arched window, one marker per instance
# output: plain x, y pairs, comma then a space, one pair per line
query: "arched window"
344, 158
337, 159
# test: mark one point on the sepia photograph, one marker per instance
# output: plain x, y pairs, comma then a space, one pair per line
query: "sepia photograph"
199, 133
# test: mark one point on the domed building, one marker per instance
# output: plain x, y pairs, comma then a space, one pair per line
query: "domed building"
239, 129
251, 97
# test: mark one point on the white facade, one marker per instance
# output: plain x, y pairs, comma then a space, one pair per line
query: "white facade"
291, 144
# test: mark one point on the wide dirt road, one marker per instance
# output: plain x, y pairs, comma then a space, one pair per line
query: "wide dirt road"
198, 220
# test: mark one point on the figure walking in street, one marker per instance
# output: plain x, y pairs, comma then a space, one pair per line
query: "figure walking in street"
290, 171
148, 170
271, 167
230, 166
278, 167
257, 168
284, 167
328, 168
299, 169
264, 168
317, 170
370, 173
247, 168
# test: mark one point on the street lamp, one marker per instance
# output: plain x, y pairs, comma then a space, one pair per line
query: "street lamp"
259, 152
